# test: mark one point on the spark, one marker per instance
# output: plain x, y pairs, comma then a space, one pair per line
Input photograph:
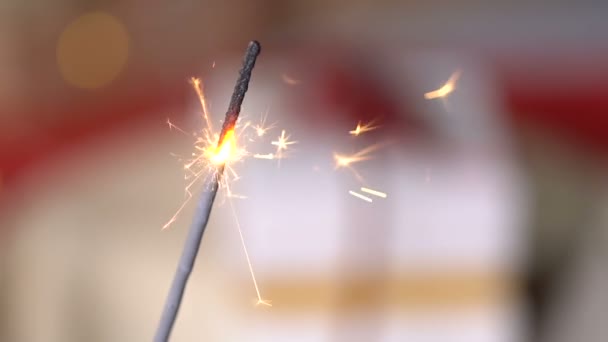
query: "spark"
445, 89
186, 201
269, 156
282, 142
261, 128
197, 85
374, 192
290, 80
363, 128
255, 283
346, 161
358, 195
172, 126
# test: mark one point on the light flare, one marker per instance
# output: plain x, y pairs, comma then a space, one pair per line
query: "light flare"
445, 89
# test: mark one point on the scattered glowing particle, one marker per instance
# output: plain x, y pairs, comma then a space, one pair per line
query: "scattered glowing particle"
260, 131
363, 128
230, 194
346, 161
290, 80
374, 192
446, 89
213, 65
360, 196
282, 142
261, 128
269, 156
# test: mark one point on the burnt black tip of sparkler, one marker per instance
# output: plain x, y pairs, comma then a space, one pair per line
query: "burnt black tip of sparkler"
254, 47
240, 88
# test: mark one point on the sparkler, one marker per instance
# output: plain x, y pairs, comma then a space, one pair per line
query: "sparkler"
218, 156
445, 89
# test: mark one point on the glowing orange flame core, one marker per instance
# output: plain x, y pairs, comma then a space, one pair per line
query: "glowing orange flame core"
225, 151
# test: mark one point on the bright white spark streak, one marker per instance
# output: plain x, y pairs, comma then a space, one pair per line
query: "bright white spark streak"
374, 192
358, 195
269, 156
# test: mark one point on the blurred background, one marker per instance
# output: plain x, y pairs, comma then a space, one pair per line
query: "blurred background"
494, 227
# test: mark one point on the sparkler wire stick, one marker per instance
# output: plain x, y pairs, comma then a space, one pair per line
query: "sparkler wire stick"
203, 211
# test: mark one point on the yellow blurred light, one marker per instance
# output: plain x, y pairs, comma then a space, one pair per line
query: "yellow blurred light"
445, 89
363, 128
92, 50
